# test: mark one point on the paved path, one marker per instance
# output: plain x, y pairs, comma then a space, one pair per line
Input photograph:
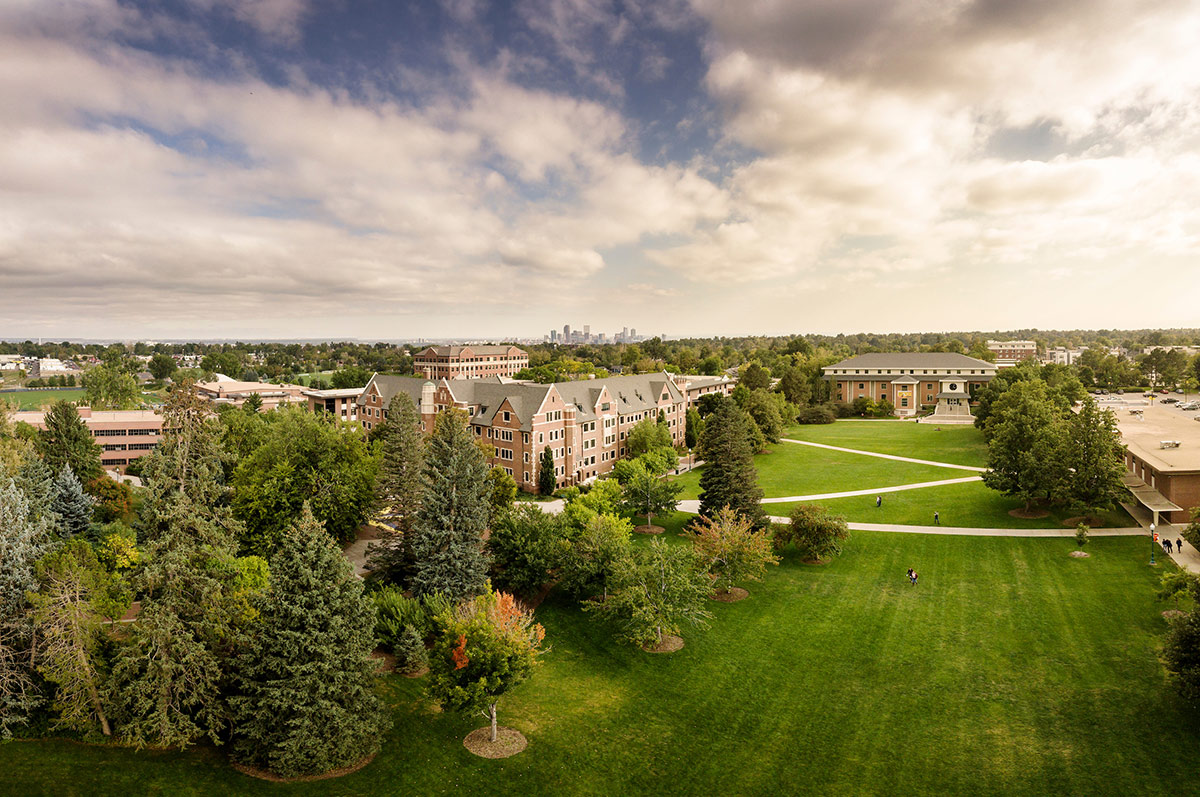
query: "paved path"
886, 456
693, 505
1187, 557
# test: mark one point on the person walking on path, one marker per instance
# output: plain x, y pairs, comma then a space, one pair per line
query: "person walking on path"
1167, 544
878, 501
1179, 545
937, 519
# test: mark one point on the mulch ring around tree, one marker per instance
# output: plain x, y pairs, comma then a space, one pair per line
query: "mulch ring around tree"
730, 596
649, 529
1028, 514
509, 742
266, 774
1080, 554
670, 643
1091, 522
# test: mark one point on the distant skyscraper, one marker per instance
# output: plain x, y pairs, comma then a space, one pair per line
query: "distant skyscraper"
625, 333
566, 333
633, 334
587, 331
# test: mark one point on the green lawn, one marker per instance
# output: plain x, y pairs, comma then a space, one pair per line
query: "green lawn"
971, 504
958, 445
36, 399
1010, 669
792, 469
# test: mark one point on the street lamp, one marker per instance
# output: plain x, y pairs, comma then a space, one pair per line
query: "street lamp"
1152, 538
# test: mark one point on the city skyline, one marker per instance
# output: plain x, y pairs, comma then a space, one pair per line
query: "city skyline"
284, 168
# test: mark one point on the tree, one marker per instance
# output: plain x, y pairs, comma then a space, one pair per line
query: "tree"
647, 494
1191, 532
731, 550
1081, 535
755, 377
35, 479
547, 479
228, 363
729, 477
1181, 650
304, 700
656, 589
765, 413
354, 376
162, 366
108, 387
252, 404
588, 565
304, 457
646, 435
504, 493
482, 649
398, 488
113, 499
1026, 446
525, 545
66, 440
604, 498
795, 387
1175, 585
67, 618
71, 504
816, 532
448, 533
693, 427
1094, 460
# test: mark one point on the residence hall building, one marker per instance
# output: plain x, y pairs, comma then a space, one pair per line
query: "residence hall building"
123, 435
1162, 459
1011, 352
584, 423
469, 362
912, 380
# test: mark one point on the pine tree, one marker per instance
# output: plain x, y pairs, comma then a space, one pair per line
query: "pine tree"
399, 489
729, 477
448, 539
305, 700
547, 481
36, 481
71, 504
66, 440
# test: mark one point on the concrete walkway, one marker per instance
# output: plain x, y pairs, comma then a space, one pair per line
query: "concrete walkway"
886, 456
693, 505
1186, 556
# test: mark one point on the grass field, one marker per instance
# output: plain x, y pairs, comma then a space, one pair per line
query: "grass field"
1010, 669
971, 504
791, 469
36, 399
958, 445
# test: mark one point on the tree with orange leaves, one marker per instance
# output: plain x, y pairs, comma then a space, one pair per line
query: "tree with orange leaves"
483, 648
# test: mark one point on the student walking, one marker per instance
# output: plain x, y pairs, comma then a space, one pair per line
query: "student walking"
1179, 545
1167, 544
937, 519
910, 575
914, 578
878, 501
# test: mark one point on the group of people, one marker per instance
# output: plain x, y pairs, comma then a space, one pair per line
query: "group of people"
912, 576
1167, 544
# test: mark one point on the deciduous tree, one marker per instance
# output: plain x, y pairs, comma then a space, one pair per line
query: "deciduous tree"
1025, 452
731, 550
525, 545
647, 494
816, 532
590, 561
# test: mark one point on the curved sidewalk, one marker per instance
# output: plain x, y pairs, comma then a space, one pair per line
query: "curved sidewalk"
693, 505
885, 456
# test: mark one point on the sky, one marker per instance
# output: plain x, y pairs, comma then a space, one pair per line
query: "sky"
384, 169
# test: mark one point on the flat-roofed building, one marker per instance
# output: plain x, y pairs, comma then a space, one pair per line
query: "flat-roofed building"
123, 435
695, 387
235, 393
342, 403
583, 423
469, 362
913, 380
1162, 457
1010, 352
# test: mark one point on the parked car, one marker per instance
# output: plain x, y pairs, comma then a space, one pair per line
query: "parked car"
1191, 405
1168, 400
1179, 390
1119, 392
1164, 390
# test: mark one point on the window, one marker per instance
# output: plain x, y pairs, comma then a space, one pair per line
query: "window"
506, 417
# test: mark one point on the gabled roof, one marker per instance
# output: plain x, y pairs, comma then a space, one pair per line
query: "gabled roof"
912, 359
388, 386
478, 351
636, 393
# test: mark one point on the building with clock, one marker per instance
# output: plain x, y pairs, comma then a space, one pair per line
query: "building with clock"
913, 381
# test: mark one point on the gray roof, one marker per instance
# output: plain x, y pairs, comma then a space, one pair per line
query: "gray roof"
636, 393
898, 360
454, 351
388, 386
490, 394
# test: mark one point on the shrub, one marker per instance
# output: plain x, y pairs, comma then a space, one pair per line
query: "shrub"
843, 410
1081, 535
814, 531
525, 546
823, 413
410, 650
884, 409
394, 614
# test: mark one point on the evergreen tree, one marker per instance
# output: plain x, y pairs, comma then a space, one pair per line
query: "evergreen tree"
693, 428
66, 440
448, 539
305, 700
547, 480
36, 481
71, 504
729, 477
398, 489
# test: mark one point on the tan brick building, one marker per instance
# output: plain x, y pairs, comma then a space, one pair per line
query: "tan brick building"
469, 362
583, 423
123, 435
910, 380
235, 393
1162, 459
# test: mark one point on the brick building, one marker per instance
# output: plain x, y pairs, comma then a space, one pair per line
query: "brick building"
911, 380
123, 435
469, 362
342, 403
584, 423
1010, 352
1162, 460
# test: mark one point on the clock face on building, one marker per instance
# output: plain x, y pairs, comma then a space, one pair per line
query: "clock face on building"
953, 386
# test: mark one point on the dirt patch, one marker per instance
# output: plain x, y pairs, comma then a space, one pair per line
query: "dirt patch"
1080, 554
1171, 614
730, 596
417, 673
266, 774
1028, 514
670, 643
387, 661
1091, 522
509, 742
649, 529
